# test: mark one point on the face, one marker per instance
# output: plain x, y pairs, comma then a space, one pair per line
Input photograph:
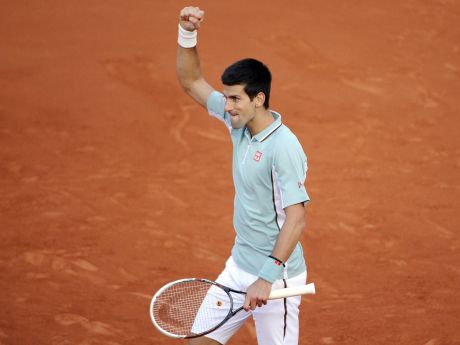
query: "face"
238, 104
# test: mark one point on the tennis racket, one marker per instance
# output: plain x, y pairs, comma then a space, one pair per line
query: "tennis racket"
190, 308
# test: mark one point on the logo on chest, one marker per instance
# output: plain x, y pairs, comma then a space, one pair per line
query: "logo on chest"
257, 156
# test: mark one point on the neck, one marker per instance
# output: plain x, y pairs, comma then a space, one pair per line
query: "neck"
262, 119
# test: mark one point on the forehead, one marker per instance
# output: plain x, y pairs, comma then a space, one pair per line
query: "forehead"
234, 90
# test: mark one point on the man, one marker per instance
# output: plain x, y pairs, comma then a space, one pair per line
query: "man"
269, 169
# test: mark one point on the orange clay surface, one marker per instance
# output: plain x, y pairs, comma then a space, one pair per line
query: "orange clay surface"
113, 182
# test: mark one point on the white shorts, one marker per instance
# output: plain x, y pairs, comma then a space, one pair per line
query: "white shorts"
277, 322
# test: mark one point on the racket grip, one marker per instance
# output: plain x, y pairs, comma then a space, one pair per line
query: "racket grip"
293, 291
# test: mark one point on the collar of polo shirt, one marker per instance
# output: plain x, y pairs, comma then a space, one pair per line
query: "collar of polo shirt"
267, 131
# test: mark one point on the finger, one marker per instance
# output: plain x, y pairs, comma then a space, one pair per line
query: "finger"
253, 304
191, 12
197, 13
185, 13
246, 305
194, 19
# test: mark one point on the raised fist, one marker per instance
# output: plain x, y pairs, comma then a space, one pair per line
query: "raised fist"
190, 18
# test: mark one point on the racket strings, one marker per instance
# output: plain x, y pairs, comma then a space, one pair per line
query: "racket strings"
191, 307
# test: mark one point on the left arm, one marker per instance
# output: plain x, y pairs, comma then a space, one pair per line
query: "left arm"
291, 232
257, 294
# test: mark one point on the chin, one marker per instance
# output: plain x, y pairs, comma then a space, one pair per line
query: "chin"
237, 125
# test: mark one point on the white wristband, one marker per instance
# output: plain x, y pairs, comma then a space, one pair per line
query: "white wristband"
186, 39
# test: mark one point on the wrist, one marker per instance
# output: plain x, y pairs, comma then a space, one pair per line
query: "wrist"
186, 39
265, 282
271, 270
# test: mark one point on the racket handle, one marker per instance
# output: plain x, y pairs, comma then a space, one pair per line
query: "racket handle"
293, 291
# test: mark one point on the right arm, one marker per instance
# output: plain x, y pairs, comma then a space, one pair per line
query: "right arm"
188, 63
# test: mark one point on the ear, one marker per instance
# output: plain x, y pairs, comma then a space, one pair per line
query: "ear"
260, 99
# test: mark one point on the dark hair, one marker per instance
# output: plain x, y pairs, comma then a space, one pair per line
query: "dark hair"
251, 73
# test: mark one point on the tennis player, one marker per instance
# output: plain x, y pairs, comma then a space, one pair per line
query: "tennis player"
269, 170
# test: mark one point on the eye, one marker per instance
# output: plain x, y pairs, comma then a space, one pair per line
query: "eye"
232, 99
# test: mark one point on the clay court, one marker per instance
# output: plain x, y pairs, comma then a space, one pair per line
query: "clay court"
114, 182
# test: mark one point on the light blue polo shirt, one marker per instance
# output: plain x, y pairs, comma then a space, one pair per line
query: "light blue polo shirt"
269, 172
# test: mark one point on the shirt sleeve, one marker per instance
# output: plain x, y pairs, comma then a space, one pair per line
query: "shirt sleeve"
290, 171
216, 106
